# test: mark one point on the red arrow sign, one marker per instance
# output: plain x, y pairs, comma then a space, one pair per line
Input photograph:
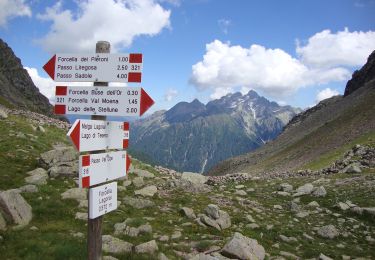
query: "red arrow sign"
103, 67
93, 135
108, 101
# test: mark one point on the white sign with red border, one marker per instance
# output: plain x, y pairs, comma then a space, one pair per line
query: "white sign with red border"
105, 101
102, 167
103, 67
93, 135
103, 199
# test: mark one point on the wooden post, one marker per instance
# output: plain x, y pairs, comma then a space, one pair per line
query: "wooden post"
94, 230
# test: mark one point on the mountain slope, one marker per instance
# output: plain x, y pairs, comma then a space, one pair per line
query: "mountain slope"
16, 87
194, 137
313, 138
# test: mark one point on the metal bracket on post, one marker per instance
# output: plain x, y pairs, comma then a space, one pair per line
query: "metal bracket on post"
94, 232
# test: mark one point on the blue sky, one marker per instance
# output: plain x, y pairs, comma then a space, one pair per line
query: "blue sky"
292, 52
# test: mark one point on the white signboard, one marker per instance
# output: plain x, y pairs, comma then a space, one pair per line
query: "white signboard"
107, 101
93, 135
102, 167
103, 199
103, 67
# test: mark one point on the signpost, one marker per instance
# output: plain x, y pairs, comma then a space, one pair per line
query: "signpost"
97, 135
98, 168
92, 135
109, 101
103, 200
102, 67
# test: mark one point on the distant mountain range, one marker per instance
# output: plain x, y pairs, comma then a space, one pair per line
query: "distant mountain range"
318, 136
195, 137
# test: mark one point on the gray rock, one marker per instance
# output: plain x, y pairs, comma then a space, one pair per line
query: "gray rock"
143, 173
149, 247
283, 193
3, 113
127, 183
370, 211
75, 194
83, 204
239, 186
177, 234
39, 178
108, 257
64, 169
212, 211
313, 204
285, 187
328, 231
30, 188
81, 215
324, 257
343, 206
138, 182
242, 247
148, 191
138, 203
294, 207
37, 171
188, 212
288, 239
15, 207
34, 228
164, 238
224, 220
57, 156
195, 178
279, 207
3, 224
202, 256
162, 256
353, 168
319, 192
209, 222
250, 218
114, 245
302, 214
41, 129
240, 192
304, 189
289, 255
252, 226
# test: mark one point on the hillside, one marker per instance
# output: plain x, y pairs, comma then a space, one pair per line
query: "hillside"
318, 136
16, 87
194, 137
163, 214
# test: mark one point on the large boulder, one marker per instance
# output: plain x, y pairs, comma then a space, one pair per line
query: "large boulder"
138, 203
15, 207
241, 247
75, 193
149, 247
148, 191
195, 178
61, 161
328, 231
38, 176
143, 173
115, 246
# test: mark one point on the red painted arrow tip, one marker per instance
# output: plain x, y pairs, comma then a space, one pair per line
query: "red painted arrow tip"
146, 102
49, 67
75, 134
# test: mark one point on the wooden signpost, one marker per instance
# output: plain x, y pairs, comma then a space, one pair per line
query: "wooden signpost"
97, 135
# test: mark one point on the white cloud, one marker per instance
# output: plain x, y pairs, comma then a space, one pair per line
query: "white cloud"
327, 49
170, 94
13, 8
224, 24
272, 71
116, 21
326, 57
326, 93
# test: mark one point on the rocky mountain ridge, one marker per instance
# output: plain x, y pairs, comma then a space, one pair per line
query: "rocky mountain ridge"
318, 134
193, 136
16, 87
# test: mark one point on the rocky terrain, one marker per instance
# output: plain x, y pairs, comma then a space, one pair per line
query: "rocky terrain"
195, 137
319, 135
164, 214
16, 87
